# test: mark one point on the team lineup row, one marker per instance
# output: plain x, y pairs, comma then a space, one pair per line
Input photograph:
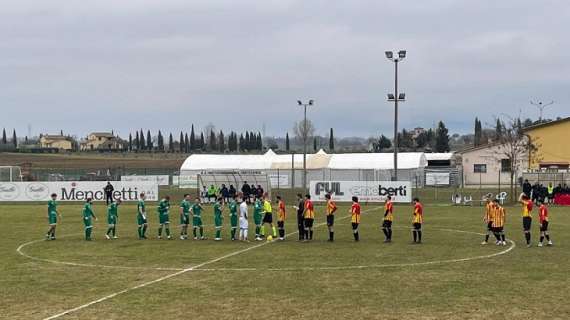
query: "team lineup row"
191, 213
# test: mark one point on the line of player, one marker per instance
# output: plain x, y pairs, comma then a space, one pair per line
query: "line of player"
495, 217
239, 218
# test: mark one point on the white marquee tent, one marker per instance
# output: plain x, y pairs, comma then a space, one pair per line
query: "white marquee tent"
320, 166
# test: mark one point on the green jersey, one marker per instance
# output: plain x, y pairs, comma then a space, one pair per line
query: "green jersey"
140, 207
163, 207
233, 208
52, 207
87, 211
218, 214
257, 212
197, 210
185, 205
112, 209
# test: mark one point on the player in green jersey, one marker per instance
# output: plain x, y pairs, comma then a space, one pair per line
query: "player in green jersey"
88, 215
163, 217
112, 218
184, 216
197, 219
141, 217
218, 218
233, 206
257, 216
52, 217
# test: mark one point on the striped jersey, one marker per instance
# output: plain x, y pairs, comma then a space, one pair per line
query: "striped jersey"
355, 213
389, 211
499, 216
543, 213
281, 214
418, 213
527, 208
331, 207
309, 210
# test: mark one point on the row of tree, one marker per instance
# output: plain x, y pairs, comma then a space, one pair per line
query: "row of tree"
214, 142
13, 142
428, 140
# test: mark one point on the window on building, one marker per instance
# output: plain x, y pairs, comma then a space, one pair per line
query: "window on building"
505, 165
480, 168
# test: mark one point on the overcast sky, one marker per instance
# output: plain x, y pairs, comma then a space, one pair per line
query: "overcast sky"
99, 65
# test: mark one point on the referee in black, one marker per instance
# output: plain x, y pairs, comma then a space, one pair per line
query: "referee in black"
300, 216
109, 192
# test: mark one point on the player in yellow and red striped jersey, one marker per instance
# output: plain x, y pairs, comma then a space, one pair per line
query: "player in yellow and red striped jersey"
331, 209
308, 217
488, 218
388, 219
417, 221
281, 218
527, 205
355, 217
498, 225
543, 219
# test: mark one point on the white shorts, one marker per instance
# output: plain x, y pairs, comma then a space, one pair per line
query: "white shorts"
243, 223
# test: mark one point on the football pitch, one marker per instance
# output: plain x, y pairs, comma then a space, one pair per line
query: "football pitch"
450, 276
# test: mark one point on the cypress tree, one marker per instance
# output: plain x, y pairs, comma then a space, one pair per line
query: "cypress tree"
149, 144
315, 144
287, 144
4, 139
137, 142
192, 139
221, 143
202, 142
170, 143
143, 142
331, 140
130, 142
441, 138
181, 144
186, 144
14, 139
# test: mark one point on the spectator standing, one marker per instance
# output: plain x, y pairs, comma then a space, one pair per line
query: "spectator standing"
232, 191
225, 193
526, 188
246, 190
109, 192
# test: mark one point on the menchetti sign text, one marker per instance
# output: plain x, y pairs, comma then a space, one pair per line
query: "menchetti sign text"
366, 191
76, 190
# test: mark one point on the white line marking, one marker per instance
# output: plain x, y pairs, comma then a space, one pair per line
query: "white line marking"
142, 285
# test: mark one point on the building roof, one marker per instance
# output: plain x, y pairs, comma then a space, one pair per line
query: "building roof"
102, 134
545, 124
480, 147
56, 137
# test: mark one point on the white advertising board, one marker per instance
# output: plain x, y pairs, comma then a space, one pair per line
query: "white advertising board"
76, 190
185, 182
366, 191
278, 180
437, 178
162, 180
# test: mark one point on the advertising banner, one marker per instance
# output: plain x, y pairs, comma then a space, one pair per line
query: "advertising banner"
366, 191
279, 180
437, 178
162, 180
76, 190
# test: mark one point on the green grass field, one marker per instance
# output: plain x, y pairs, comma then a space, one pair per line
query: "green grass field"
450, 276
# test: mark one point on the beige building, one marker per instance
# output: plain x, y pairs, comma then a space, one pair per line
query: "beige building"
56, 141
488, 165
101, 141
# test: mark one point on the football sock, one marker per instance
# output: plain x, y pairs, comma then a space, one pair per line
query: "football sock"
385, 232
160, 231
356, 237
541, 238
139, 230
274, 231
498, 236
194, 232
331, 236
414, 232
245, 234
310, 234
527, 237
144, 231
262, 230
167, 231
419, 236
114, 231
547, 235
257, 230
109, 230
218, 233
487, 237
201, 231
233, 232
503, 236
390, 233
88, 233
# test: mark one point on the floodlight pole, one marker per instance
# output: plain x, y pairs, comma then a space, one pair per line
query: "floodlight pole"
305, 133
400, 56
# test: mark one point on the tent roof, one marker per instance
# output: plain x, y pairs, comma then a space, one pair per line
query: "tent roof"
439, 156
319, 160
378, 161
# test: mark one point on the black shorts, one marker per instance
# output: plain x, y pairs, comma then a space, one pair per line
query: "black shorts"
330, 220
281, 224
490, 225
497, 229
527, 222
417, 226
309, 222
268, 218
387, 224
544, 226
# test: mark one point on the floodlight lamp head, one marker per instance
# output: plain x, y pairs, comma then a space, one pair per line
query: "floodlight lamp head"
391, 97
311, 102
402, 54
389, 54
299, 102
402, 96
